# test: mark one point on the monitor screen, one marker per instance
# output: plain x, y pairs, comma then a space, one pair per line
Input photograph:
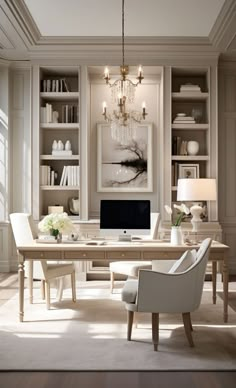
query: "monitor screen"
125, 217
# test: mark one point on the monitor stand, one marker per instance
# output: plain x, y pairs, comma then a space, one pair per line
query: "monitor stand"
125, 238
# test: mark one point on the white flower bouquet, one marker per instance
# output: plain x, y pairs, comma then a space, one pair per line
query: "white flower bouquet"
56, 223
184, 210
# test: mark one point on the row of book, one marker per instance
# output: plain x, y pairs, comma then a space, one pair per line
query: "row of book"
179, 146
54, 85
174, 173
48, 176
70, 176
69, 114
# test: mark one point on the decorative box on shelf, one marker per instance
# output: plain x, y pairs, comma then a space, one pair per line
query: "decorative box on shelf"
61, 152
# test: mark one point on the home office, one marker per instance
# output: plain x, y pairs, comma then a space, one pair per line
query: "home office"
65, 144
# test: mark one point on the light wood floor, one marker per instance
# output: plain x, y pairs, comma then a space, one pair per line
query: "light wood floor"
118, 379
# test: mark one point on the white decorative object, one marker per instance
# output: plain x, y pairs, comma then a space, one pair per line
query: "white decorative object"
192, 147
54, 145
55, 116
61, 153
176, 237
68, 145
60, 145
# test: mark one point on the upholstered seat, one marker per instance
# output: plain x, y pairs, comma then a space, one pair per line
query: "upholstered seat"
24, 231
178, 291
131, 268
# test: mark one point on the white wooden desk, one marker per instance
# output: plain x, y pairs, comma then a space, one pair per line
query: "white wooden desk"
144, 250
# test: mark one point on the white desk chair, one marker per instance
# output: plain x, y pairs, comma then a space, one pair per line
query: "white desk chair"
178, 291
131, 268
24, 231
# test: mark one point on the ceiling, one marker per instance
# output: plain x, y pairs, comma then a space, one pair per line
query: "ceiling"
89, 29
142, 18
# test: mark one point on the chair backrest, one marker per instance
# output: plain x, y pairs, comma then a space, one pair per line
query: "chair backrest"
184, 288
24, 231
155, 222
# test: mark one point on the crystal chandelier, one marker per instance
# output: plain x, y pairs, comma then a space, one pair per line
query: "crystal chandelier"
123, 120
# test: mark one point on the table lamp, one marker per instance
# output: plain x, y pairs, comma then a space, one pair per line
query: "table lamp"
194, 190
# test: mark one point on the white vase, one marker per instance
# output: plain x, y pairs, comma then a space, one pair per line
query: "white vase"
176, 237
192, 147
68, 145
54, 145
60, 146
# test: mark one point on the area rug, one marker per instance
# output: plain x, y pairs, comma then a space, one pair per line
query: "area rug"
91, 333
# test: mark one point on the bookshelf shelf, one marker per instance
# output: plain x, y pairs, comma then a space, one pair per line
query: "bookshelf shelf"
52, 157
57, 126
63, 96
59, 188
189, 96
189, 127
190, 158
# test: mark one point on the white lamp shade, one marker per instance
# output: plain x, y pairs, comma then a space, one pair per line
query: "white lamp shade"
202, 189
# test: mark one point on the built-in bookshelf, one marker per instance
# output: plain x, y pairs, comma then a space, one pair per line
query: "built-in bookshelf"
191, 129
59, 138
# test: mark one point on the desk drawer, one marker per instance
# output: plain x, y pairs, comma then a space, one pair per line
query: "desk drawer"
117, 255
91, 255
161, 255
49, 255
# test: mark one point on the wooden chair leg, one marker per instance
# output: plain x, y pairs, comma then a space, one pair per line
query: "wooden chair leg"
43, 289
47, 288
112, 281
155, 330
73, 286
187, 327
130, 317
60, 288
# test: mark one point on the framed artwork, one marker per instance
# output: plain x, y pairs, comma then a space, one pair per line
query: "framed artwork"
189, 171
124, 168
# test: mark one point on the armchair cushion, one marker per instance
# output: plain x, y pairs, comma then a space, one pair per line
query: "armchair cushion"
129, 291
186, 260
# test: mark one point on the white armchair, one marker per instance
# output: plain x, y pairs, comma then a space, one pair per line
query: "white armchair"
24, 231
131, 268
178, 291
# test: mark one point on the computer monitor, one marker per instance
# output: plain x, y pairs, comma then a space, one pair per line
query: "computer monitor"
125, 218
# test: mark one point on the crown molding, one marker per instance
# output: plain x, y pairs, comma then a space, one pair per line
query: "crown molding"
224, 31
4, 62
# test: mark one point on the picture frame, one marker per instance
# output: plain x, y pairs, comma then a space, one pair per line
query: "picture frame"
188, 170
124, 168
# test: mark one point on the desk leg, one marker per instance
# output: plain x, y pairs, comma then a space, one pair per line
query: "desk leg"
225, 287
30, 280
21, 275
214, 267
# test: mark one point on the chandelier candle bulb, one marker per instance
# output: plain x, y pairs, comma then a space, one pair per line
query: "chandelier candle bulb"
104, 107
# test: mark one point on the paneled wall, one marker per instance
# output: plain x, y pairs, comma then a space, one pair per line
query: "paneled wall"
227, 157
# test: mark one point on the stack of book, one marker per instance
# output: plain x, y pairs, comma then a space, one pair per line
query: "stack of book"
182, 118
190, 88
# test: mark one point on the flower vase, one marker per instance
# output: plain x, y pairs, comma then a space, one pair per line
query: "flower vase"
176, 235
56, 234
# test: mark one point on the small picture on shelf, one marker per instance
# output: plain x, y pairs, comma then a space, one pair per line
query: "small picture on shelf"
189, 171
